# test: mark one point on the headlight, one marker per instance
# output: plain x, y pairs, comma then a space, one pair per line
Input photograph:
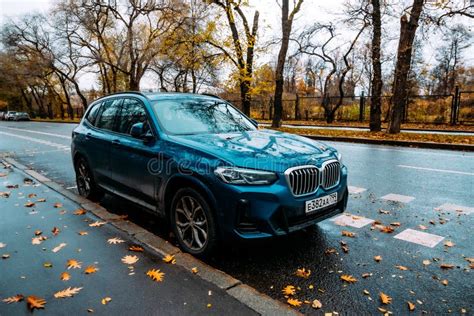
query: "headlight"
339, 157
235, 175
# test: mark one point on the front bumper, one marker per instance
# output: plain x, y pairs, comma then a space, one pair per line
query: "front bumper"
249, 212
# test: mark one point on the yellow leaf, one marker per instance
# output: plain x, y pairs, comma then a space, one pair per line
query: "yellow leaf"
289, 290
386, 229
316, 304
115, 240
401, 268
135, 248
155, 275
90, 269
73, 264
97, 224
294, 302
65, 276
385, 299
29, 204
348, 278
13, 299
209, 305
58, 205
105, 300
411, 306
169, 259
69, 292
378, 258
303, 273
347, 234
445, 282
130, 259
194, 270
35, 302
83, 233
79, 211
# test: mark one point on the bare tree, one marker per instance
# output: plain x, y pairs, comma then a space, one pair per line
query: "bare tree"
376, 93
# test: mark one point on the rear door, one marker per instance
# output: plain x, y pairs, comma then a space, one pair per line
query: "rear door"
130, 157
99, 139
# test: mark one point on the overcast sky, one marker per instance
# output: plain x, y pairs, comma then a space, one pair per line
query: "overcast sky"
312, 11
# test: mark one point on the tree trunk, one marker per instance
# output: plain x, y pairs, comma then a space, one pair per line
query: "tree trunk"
408, 27
376, 94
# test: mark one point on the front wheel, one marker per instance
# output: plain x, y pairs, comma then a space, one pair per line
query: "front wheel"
85, 181
193, 222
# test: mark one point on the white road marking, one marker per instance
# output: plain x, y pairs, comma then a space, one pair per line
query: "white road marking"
36, 132
39, 141
347, 219
456, 208
356, 190
437, 170
420, 238
398, 198
70, 188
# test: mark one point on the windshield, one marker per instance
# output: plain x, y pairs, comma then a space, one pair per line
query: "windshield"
188, 116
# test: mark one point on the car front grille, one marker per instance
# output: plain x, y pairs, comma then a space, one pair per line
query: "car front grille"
305, 180
331, 174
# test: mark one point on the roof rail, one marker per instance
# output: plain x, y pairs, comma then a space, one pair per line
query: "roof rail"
212, 95
123, 92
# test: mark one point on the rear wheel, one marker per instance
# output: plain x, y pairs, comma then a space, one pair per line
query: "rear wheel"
193, 222
85, 181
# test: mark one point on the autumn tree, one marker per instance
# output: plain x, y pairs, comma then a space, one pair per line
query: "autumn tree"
240, 51
287, 18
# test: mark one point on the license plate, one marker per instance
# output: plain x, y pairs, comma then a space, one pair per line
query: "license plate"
322, 202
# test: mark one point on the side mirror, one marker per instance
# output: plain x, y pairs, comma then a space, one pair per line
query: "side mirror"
137, 130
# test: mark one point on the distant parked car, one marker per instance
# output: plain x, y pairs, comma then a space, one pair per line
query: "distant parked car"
22, 116
10, 116
206, 167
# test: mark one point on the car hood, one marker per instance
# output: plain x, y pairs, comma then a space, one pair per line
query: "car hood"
262, 149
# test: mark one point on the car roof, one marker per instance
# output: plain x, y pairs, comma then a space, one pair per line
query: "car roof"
153, 96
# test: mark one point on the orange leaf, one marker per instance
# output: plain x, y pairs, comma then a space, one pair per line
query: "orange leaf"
194, 270
29, 204
169, 259
58, 205
73, 264
80, 211
155, 275
35, 302
90, 269
348, 278
401, 268
445, 282
135, 248
303, 273
378, 258
65, 276
289, 290
446, 266
55, 231
385, 299
83, 233
13, 299
294, 302
347, 234
69, 292
411, 306
386, 229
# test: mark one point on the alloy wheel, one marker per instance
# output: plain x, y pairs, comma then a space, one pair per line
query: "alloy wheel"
83, 177
191, 223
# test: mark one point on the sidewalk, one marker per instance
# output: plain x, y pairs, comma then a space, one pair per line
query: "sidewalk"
41, 231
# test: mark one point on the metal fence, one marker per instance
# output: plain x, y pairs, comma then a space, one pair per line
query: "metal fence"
457, 108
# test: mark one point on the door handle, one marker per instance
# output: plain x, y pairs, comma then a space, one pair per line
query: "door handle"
88, 135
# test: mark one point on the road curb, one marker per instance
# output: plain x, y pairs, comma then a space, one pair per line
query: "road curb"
392, 142
259, 302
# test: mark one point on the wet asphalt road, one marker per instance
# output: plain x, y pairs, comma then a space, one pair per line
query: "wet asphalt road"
431, 177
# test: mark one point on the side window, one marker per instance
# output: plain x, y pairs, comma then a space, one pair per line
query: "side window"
92, 115
133, 111
107, 118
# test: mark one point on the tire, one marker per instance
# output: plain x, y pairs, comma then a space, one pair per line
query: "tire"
193, 222
86, 184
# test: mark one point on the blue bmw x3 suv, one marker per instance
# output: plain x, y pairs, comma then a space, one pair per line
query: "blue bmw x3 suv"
207, 168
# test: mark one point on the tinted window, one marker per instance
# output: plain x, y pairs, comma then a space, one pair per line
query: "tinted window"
92, 115
109, 111
133, 111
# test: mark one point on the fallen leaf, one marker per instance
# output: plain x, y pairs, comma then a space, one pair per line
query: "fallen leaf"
13, 299
366, 275
79, 211
38, 240
303, 273
130, 259
2, 245
426, 262
289, 290
106, 300
5, 256
403, 268
348, 278
47, 265
386, 229
432, 222
90, 269
55, 231
65, 276
73, 264
59, 247
366, 292
378, 258
445, 282
5, 194
411, 306
115, 240
135, 248
29, 204
385, 299
294, 302
396, 224
347, 234
58, 205
69, 292
169, 259
330, 251
446, 266
3, 175
194, 270
316, 304
449, 244
38, 232
82, 233
42, 200
155, 275
27, 181
422, 227
97, 224
35, 302
12, 186
31, 195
